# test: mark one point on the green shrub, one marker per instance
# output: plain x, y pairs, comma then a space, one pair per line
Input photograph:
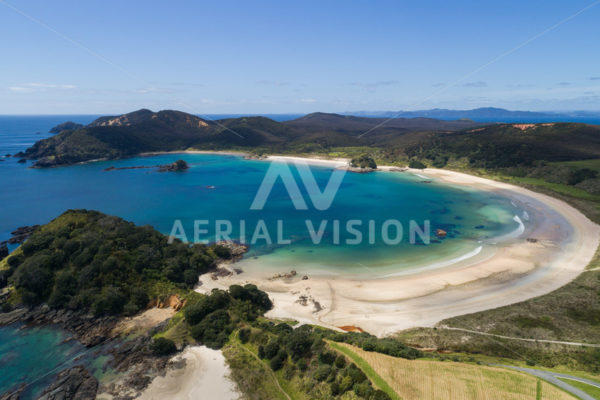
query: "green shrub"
340, 362
327, 357
222, 252
271, 349
163, 347
416, 164
299, 343
322, 372
244, 335
213, 331
356, 374
346, 384
277, 362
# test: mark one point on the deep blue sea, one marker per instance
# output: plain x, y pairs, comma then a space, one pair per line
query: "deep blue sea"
219, 189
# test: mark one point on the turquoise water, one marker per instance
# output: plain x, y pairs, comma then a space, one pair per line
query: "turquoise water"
32, 355
222, 187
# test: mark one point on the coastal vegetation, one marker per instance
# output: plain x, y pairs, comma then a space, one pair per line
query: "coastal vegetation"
363, 161
91, 262
299, 360
86, 260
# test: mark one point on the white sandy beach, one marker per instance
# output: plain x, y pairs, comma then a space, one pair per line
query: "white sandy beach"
205, 376
516, 271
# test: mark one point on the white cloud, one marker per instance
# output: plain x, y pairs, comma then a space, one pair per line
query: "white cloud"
49, 85
308, 100
20, 89
37, 86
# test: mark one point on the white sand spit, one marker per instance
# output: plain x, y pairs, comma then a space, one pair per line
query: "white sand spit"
205, 376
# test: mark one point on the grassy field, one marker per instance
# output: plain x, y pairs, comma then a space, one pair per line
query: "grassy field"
377, 380
556, 187
589, 389
420, 379
593, 164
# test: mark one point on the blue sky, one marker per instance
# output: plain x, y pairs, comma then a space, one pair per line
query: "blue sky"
282, 57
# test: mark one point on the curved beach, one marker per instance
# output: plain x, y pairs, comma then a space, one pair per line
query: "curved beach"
562, 241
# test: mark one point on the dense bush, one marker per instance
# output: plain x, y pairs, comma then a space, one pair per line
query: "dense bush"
196, 312
416, 164
163, 347
213, 331
277, 362
244, 335
363, 161
89, 260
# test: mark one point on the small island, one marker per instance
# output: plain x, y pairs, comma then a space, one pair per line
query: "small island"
177, 166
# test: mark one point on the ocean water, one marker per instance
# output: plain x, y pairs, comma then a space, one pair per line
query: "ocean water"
219, 189
222, 188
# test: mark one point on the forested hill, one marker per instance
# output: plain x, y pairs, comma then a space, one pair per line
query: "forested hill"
86, 260
492, 145
147, 131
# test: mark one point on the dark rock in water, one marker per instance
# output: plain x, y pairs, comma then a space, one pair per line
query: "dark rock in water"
22, 161
13, 394
7, 155
75, 383
479, 227
3, 251
87, 329
179, 165
22, 233
66, 126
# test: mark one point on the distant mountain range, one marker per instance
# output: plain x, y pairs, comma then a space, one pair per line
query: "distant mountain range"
485, 114
147, 131
143, 131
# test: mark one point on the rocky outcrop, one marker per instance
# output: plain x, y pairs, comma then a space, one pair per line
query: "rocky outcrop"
3, 251
177, 166
21, 234
359, 170
72, 384
136, 364
86, 328
236, 249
